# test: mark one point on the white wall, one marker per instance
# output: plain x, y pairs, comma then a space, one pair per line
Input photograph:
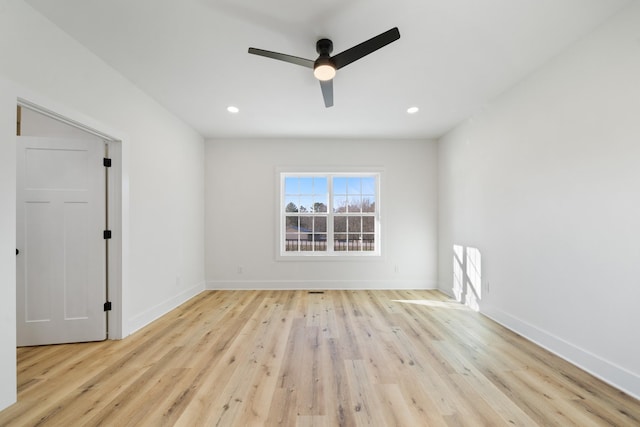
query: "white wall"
545, 182
163, 188
36, 124
241, 221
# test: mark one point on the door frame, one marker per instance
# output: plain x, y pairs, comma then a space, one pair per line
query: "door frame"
116, 202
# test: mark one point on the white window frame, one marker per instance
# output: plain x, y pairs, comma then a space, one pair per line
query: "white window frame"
330, 252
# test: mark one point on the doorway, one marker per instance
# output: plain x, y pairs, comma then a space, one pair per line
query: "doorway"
68, 283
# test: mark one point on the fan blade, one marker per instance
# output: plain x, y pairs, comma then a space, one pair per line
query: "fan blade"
282, 57
365, 48
327, 92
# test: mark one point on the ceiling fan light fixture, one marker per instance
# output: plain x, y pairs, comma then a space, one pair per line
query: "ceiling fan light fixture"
324, 69
324, 72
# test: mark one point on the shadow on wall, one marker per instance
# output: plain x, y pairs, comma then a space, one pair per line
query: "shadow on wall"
467, 276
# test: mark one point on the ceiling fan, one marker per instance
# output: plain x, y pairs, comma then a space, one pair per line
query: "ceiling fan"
324, 68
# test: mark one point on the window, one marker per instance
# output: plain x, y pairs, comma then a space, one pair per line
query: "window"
324, 214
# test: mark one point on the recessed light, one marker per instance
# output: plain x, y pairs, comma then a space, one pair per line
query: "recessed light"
412, 110
233, 109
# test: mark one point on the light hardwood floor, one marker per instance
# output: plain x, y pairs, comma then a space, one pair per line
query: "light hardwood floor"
342, 358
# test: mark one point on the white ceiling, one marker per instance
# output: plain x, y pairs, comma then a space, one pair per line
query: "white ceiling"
453, 57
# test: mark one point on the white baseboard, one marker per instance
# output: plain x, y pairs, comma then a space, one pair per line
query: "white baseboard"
143, 319
605, 370
446, 291
317, 284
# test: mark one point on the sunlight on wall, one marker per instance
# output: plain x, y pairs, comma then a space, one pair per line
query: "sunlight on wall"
458, 271
474, 274
467, 276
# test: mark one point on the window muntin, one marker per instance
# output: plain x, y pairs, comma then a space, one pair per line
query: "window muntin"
329, 214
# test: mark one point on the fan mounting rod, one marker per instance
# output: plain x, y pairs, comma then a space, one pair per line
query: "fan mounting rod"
324, 47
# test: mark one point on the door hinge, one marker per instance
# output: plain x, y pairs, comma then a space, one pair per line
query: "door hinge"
106, 162
106, 234
107, 306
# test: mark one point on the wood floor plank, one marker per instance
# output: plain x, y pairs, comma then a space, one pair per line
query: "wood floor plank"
396, 412
346, 332
337, 399
293, 358
420, 401
218, 366
362, 392
237, 399
538, 406
282, 408
257, 402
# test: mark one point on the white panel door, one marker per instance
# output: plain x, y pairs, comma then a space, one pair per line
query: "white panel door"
61, 273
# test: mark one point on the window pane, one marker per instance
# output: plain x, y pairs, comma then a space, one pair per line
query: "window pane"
354, 186
340, 224
368, 224
368, 242
340, 242
368, 204
354, 242
339, 185
369, 185
291, 204
306, 185
306, 225
320, 186
340, 204
292, 224
291, 186
320, 242
320, 225
306, 204
320, 203
291, 233
355, 203
355, 224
